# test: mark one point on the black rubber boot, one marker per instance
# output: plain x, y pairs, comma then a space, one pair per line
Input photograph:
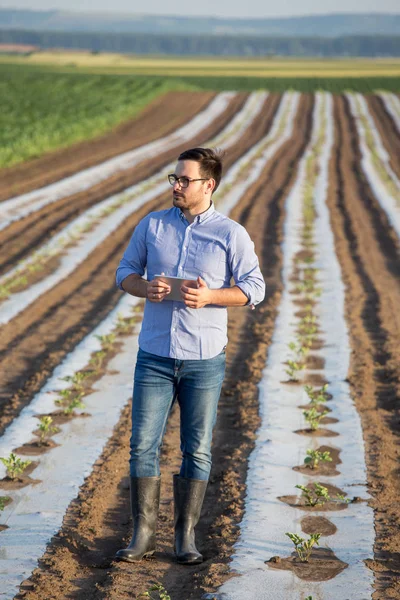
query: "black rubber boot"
188, 497
145, 499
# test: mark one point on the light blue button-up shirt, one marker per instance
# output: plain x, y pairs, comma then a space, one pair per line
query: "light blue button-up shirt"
214, 247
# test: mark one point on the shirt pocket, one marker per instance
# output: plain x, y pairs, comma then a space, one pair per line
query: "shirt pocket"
210, 256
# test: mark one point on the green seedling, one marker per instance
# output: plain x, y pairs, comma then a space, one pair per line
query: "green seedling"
4, 500
77, 379
107, 341
316, 397
45, 428
314, 497
314, 457
15, 466
124, 324
299, 350
97, 359
75, 403
162, 593
304, 547
313, 417
293, 369
308, 598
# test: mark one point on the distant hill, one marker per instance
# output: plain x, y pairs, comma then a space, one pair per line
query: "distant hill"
329, 26
207, 45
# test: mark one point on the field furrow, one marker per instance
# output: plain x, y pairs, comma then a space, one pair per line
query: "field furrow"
104, 501
161, 117
40, 225
388, 131
368, 252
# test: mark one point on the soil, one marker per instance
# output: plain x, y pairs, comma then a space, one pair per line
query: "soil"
322, 565
79, 563
368, 251
35, 448
387, 130
310, 525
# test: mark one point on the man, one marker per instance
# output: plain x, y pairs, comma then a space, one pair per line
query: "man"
182, 343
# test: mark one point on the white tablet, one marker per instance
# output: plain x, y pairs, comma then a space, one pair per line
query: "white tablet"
176, 284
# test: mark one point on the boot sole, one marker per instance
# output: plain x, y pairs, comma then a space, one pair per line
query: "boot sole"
134, 560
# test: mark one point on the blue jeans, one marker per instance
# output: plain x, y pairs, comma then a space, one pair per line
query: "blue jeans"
158, 382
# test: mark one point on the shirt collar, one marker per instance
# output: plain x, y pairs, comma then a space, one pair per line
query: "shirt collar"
202, 216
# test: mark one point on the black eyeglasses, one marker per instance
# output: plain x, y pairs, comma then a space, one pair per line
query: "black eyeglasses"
183, 181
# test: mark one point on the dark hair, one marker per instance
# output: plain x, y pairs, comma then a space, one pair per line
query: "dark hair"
210, 162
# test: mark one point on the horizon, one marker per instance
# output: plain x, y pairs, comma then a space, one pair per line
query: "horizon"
309, 9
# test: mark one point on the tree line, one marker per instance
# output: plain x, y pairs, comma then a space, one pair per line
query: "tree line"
208, 45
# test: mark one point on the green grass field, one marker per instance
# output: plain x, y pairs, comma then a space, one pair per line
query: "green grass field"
43, 111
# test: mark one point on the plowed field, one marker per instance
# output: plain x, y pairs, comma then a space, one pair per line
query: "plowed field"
79, 560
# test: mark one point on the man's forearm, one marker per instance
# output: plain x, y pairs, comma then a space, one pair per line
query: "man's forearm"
232, 296
135, 285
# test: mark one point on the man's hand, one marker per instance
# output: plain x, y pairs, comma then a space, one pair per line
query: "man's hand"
157, 290
196, 297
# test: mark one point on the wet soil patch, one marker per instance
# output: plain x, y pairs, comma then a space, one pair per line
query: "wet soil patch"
313, 378
320, 432
315, 362
34, 448
323, 565
299, 502
310, 525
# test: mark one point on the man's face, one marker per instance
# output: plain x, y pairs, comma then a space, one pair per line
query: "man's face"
197, 193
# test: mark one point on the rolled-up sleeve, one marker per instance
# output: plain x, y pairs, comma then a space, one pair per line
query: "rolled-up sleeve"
134, 259
245, 267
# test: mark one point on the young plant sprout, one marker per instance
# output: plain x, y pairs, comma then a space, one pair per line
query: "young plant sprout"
314, 457
293, 369
97, 359
316, 396
107, 341
313, 417
15, 466
300, 350
304, 547
77, 379
162, 593
318, 496
75, 403
124, 324
4, 500
45, 428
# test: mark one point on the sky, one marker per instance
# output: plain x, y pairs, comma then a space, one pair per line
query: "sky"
222, 8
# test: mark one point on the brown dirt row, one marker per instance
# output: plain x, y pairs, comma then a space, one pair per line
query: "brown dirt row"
387, 130
79, 563
161, 117
23, 236
34, 342
369, 251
